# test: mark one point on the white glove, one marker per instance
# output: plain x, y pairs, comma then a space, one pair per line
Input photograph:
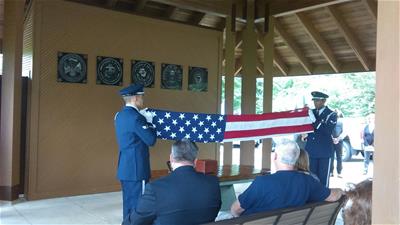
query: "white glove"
148, 115
311, 115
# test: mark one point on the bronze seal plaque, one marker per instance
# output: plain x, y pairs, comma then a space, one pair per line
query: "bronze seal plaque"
171, 76
72, 67
198, 79
142, 72
109, 70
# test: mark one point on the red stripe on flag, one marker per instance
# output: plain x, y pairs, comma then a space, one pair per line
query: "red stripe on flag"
268, 116
268, 131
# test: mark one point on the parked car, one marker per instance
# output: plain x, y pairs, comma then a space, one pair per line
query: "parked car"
353, 143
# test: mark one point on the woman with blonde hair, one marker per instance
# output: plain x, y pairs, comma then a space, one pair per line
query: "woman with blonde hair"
303, 164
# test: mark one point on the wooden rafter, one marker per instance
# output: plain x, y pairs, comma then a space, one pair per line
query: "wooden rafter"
170, 11
111, 3
318, 40
278, 62
293, 46
280, 8
197, 17
238, 71
286, 7
216, 8
350, 37
260, 70
140, 5
371, 7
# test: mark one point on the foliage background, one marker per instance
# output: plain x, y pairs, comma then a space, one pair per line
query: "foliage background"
352, 93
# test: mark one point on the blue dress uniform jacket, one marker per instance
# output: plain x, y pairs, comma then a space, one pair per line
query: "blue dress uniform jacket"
319, 143
134, 136
185, 197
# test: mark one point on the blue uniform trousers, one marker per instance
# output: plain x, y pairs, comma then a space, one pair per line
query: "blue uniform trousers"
131, 191
320, 167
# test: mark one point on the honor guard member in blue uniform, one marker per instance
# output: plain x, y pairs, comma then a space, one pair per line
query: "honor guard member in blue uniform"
135, 133
319, 143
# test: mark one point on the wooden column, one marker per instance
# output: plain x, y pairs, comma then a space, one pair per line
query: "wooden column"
268, 42
249, 76
230, 40
11, 100
386, 184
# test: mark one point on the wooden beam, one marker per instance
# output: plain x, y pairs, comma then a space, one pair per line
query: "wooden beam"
215, 8
140, 5
293, 46
286, 7
371, 7
238, 71
318, 40
197, 17
111, 3
278, 62
350, 37
260, 70
170, 11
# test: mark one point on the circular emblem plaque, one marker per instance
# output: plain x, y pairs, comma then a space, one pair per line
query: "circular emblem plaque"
171, 76
197, 79
72, 68
109, 71
143, 73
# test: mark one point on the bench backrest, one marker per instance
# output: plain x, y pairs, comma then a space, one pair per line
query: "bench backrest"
313, 213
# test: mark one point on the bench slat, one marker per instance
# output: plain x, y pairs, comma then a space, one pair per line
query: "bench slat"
266, 221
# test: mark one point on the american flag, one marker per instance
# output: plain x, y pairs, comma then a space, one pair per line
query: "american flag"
203, 127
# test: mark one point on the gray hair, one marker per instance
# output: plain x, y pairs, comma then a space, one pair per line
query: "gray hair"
288, 151
184, 150
127, 98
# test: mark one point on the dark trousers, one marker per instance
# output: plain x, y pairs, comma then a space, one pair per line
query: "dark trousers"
320, 167
131, 191
367, 156
337, 150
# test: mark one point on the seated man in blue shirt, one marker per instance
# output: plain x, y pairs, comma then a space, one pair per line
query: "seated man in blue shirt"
285, 188
183, 197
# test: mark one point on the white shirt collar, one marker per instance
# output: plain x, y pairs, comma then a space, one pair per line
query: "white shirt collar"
130, 105
321, 110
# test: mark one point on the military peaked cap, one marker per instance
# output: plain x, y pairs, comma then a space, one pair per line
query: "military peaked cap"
133, 89
316, 95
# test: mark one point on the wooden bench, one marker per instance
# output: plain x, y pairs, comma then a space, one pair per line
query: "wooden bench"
314, 213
